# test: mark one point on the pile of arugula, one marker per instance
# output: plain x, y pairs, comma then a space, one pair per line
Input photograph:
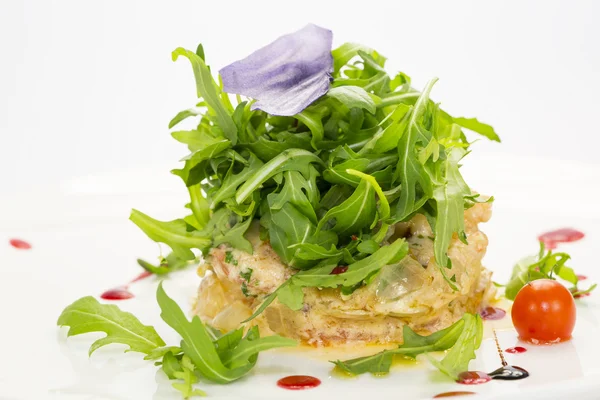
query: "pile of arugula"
371, 152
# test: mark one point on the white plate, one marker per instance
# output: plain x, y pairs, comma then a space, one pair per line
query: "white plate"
83, 244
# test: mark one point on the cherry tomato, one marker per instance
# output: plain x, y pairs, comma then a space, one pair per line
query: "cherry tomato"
544, 312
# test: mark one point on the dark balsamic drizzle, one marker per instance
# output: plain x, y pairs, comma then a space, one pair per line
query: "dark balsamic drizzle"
507, 372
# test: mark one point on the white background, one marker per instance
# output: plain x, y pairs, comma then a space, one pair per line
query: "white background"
88, 87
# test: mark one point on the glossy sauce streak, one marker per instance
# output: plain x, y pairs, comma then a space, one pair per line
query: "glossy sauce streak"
298, 382
473, 378
452, 394
19, 244
516, 350
565, 235
340, 269
492, 313
509, 373
117, 294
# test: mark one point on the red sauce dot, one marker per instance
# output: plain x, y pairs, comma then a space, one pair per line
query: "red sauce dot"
473, 378
492, 313
298, 382
565, 235
578, 296
117, 294
19, 244
141, 276
581, 277
515, 350
340, 269
452, 394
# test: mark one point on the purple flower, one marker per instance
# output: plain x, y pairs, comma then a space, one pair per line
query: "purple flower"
287, 75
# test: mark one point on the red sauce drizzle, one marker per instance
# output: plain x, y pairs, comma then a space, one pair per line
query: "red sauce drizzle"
473, 378
452, 394
19, 244
298, 382
119, 293
565, 235
516, 349
141, 276
122, 292
581, 277
340, 269
492, 313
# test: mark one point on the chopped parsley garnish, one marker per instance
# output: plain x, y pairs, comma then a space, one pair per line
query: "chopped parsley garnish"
245, 289
229, 259
246, 275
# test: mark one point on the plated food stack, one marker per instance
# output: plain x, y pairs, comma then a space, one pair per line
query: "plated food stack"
410, 292
329, 204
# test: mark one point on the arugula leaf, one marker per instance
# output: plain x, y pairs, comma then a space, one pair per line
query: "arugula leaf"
384, 206
387, 139
225, 365
182, 115
168, 264
209, 91
199, 206
160, 352
450, 217
463, 351
174, 234
232, 181
312, 119
353, 96
185, 372
170, 364
196, 342
410, 171
289, 160
474, 125
88, 315
345, 53
354, 213
463, 337
368, 246
246, 351
310, 251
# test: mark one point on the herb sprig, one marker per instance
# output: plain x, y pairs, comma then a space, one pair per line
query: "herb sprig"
202, 351
545, 265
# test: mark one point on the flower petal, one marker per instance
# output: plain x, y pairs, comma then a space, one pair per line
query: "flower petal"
287, 75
